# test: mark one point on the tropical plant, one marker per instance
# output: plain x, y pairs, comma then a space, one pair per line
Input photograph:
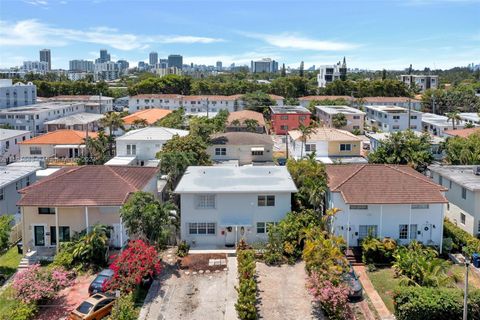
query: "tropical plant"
92, 247
375, 251
247, 286
174, 120
113, 121
5, 228
183, 248
139, 123
124, 308
21, 311
339, 120
97, 149
305, 133
236, 123
463, 151
137, 262
251, 125
147, 217
453, 116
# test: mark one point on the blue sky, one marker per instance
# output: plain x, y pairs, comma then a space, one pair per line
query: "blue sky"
372, 34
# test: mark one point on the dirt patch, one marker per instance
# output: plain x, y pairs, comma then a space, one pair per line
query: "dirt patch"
204, 261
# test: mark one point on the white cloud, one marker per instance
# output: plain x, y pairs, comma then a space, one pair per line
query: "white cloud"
36, 2
35, 33
298, 42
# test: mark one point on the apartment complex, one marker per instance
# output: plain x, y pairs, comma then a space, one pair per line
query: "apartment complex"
93, 104
330, 73
286, 118
264, 65
46, 56
81, 65
9, 147
421, 82
16, 95
438, 124
354, 118
393, 119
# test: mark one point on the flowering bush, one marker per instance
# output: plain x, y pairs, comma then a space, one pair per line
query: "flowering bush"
137, 262
36, 283
332, 299
247, 286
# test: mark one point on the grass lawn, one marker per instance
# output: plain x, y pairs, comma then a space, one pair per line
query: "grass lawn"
384, 282
6, 302
9, 261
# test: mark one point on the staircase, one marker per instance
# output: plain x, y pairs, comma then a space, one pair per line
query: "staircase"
354, 256
28, 259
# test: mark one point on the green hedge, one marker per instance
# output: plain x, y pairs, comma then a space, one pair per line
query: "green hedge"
460, 237
247, 286
420, 303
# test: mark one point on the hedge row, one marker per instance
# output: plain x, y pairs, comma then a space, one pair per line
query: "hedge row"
420, 303
460, 237
247, 285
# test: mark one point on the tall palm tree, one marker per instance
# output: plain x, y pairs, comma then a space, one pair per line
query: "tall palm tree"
453, 116
139, 123
306, 132
113, 121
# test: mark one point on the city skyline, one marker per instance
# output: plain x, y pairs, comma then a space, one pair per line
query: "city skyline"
371, 34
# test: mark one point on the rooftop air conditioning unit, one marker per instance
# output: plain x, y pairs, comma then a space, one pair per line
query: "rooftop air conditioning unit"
476, 170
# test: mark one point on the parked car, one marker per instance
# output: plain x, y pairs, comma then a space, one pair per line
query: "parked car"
96, 307
356, 289
97, 284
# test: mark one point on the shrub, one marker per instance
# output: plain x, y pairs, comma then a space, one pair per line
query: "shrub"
137, 262
474, 304
333, 299
183, 248
376, 251
124, 308
274, 249
419, 303
22, 311
64, 258
247, 287
92, 247
5, 228
459, 237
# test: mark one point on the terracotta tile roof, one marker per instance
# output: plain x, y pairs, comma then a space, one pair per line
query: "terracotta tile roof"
87, 186
149, 115
326, 134
157, 96
63, 136
241, 138
463, 133
390, 99
196, 97
321, 98
383, 184
244, 115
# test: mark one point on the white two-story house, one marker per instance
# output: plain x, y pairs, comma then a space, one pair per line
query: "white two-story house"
463, 184
393, 118
385, 201
221, 205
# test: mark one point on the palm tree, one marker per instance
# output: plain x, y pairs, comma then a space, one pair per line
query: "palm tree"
236, 123
97, 148
113, 121
251, 125
306, 132
139, 123
454, 116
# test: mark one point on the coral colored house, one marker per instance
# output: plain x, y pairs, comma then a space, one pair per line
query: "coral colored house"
287, 118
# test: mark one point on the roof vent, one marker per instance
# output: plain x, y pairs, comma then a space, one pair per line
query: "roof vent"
476, 170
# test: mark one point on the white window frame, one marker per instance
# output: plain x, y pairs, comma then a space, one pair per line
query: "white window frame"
345, 149
220, 151
310, 147
358, 207
202, 228
206, 201
366, 230
131, 149
420, 206
263, 200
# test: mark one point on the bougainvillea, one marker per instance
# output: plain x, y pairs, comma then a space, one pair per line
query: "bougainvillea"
333, 299
137, 262
37, 283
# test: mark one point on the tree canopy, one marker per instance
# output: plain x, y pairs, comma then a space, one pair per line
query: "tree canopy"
463, 151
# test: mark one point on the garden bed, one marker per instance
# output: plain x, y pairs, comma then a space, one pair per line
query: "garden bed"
204, 261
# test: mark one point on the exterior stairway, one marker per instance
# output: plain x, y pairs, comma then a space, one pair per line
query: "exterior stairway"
354, 256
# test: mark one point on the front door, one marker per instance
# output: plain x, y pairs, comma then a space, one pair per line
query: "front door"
230, 237
39, 236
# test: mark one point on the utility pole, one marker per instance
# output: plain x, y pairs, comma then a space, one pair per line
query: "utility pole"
286, 143
465, 294
409, 112
433, 103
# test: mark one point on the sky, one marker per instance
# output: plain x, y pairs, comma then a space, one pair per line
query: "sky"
374, 34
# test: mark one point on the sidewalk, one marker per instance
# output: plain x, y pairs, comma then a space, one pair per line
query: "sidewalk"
375, 298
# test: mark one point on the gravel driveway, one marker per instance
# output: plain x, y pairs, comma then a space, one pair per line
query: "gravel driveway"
283, 294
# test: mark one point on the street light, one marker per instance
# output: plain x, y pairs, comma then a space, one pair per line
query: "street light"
465, 294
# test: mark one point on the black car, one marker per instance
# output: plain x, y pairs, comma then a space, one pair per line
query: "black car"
356, 289
97, 284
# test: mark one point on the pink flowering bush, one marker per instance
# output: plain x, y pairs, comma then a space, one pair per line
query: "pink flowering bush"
333, 299
36, 283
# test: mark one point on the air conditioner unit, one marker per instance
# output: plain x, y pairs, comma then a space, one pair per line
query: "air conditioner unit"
476, 170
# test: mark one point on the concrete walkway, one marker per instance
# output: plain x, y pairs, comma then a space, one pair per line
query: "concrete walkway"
375, 298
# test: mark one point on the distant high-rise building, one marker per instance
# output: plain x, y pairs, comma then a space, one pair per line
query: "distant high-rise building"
175, 60
163, 63
330, 73
123, 65
81, 65
219, 66
39, 67
153, 59
104, 56
16, 95
45, 56
421, 82
264, 65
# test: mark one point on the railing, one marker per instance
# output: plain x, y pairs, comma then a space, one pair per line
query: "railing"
16, 233
62, 162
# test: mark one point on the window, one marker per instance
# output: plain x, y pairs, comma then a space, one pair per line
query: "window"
450, 184
395, 127
396, 117
413, 127
478, 228
464, 193
403, 231
264, 227
257, 152
283, 117
420, 206
131, 149
63, 233
1, 194
302, 118
367, 230
358, 206
207, 228
462, 218
284, 127
413, 117
356, 117
206, 201
220, 151
413, 231
440, 180
35, 150
310, 147
266, 201
345, 147
18, 185
46, 210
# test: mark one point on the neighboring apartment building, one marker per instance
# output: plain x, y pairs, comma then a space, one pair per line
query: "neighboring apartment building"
64, 144
81, 66
286, 118
385, 201
32, 118
392, 118
149, 116
16, 95
93, 104
470, 117
437, 124
404, 102
329, 145
9, 147
422, 82
463, 193
355, 118
329, 73
242, 147
139, 147
36, 67
239, 120
79, 122
191, 104
14, 177
221, 205
75, 198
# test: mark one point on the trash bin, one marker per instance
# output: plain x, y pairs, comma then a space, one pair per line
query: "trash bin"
20, 248
476, 260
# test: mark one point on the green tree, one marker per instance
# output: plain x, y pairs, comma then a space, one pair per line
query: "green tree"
174, 120
404, 148
91, 248
97, 149
113, 121
147, 217
306, 132
5, 228
251, 125
173, 84
463, 151
139, 123
257, 101
339, 120
453, 116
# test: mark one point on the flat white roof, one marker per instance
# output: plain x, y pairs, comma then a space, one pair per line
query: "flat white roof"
463, 175
339, 109
391, 109
223, 179
470, 116
152, 133
439, 120
6, 134
78, 118
384, 135
12, 172
40, 107
120, 161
